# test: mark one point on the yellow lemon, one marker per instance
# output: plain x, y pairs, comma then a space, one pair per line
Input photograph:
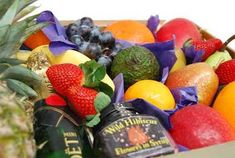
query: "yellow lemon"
22, 54
152, 91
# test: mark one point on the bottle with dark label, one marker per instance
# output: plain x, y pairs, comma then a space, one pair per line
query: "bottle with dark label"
123, 132
58, 133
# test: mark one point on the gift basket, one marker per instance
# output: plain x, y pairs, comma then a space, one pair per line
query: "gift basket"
120, 88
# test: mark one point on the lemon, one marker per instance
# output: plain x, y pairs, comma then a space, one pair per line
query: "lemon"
69, 56
152, 91
22, 54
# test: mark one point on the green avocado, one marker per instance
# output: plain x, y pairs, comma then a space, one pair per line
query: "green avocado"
136, 63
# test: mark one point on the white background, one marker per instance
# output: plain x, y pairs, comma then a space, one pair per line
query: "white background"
216, 16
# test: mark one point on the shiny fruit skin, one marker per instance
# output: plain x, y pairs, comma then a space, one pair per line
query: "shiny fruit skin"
225, 103
37, 39
180, 60
23, 54
132, 31
200, 75
226, 72
152, 91
199, 126
183, 30
218, 58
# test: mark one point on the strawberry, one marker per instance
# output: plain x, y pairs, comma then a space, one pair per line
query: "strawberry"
209, 46
63, 76
69, 81
82, 100
226, 72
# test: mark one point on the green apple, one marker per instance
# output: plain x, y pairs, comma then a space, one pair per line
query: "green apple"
180, 60
217, 58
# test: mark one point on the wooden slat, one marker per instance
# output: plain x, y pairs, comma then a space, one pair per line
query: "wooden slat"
217, 151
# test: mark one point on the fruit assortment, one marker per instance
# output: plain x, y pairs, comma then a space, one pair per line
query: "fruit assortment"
76, 72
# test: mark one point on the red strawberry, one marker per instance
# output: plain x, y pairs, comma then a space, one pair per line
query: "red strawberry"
82, 100
209, 46
63, 76
226, 72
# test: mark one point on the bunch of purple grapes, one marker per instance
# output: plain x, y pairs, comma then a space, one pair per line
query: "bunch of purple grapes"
92, 42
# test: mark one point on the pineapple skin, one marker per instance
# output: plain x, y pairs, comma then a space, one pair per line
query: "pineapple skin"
16, 130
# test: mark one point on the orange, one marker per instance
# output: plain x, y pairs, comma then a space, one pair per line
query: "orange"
132, 31
225, 103
36, 39
152, 91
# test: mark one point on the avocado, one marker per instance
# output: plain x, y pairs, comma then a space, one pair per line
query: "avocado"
136, 63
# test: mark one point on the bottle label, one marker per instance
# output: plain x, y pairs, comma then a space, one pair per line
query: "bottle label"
135, 136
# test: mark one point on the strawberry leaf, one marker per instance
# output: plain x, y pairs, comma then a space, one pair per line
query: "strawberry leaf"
89, 117
105, 88
94, 73
101, 101
93, 120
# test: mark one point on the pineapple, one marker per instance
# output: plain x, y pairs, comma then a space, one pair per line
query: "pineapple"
16, 134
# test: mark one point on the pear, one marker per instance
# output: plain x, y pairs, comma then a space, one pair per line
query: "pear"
199, 75
218, 58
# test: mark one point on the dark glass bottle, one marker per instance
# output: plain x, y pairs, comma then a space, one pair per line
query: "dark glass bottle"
58, 133
123, 132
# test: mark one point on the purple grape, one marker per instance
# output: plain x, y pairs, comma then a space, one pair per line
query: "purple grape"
105, 60
82, 48
107, 40
87, 21
93, 50
94, 36
77, 39
72, 29
85, 32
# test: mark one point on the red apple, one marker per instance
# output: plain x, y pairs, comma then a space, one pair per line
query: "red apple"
183, 29
199, 126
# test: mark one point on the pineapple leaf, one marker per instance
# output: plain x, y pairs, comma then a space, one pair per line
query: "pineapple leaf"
3, 32
16, 35
20, 88
21, 73
4, 6
11, 44
8, 17
23, 4
4, 66
11, 61
24, 12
